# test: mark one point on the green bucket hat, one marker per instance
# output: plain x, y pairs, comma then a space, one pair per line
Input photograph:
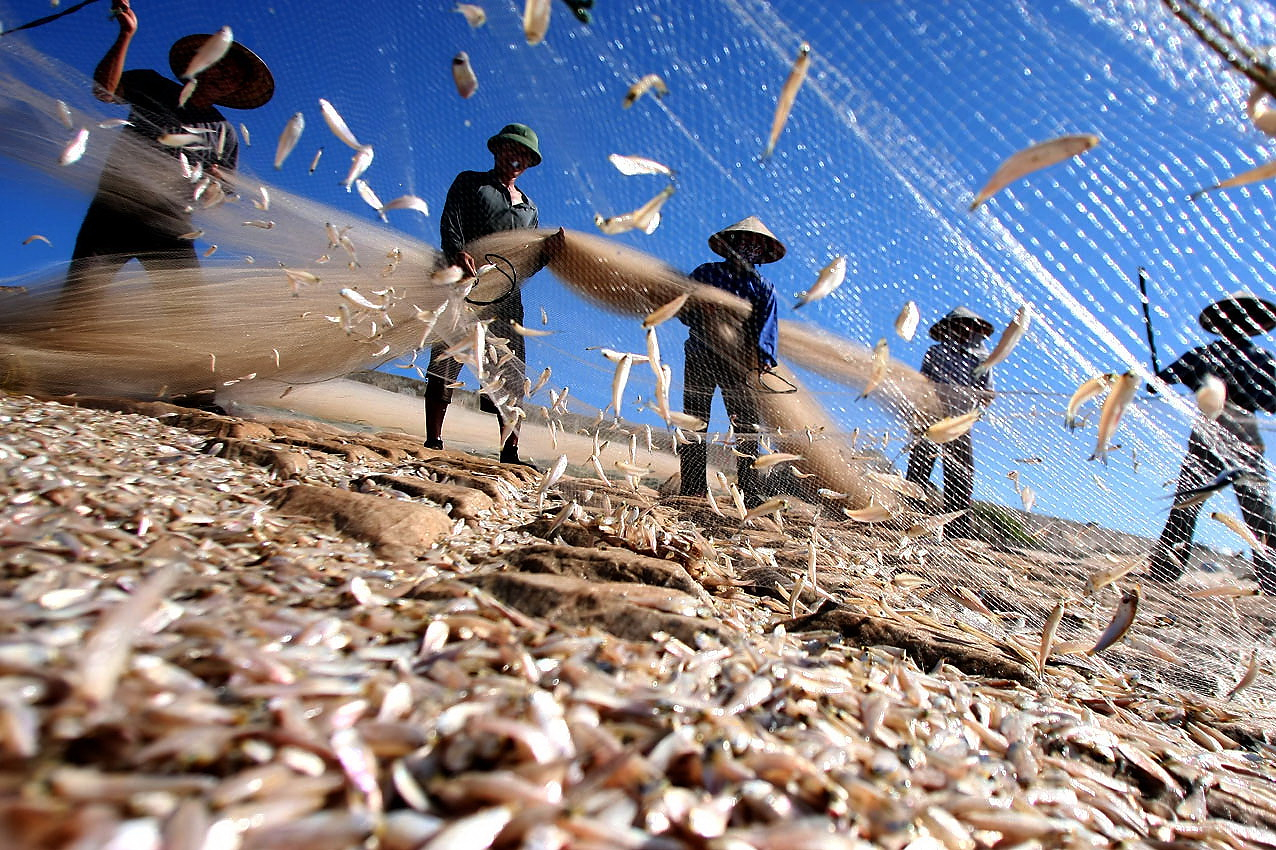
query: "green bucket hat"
960, 315
520, 134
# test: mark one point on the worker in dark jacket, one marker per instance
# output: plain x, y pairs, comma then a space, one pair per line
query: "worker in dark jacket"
144, 198
730, 361
1232, 442
480, 203
950, 364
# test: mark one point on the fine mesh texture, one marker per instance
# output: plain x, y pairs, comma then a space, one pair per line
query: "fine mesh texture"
905, 113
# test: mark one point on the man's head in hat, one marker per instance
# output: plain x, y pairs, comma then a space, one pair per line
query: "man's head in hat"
515, 149
239, 80
961, 325
748, 242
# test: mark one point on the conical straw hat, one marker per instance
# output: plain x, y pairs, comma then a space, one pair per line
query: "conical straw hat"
723, 243
960, 314
1243, 310
258, 86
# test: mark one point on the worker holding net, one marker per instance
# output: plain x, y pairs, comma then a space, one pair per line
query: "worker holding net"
142, 208
953, 364
1230, 449
728, 354
478, 204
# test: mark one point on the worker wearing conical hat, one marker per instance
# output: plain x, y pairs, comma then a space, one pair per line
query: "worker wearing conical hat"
142, 205
951, 364
723, 353
1232, 442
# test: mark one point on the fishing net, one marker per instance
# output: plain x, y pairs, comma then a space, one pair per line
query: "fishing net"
905, 112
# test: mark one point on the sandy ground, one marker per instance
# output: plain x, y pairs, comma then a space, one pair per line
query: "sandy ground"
465, 428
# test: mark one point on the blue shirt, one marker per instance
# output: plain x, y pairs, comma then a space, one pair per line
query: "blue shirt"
762, 323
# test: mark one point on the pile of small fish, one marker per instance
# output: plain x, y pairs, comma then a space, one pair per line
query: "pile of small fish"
183, 666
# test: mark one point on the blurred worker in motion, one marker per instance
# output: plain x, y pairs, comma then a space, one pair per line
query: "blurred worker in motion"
950, 364
146, 195
721, 352
480, 203
1232, 442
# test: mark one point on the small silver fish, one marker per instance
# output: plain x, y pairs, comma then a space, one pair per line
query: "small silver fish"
1088, 390
907, 320
535, 20
369, 197
770, 506
36, 237
767, 461
1195, 495
829, 279
788, 94
474, 15
1266, 171
314, 163
1251, 673
881, 363
665, 311
646, 218
75, 148
1048, 632
358, 164
1127, 609
632, 165
647, 83
1113, 409
1009, 339
947, 430
337, 125
288, 138
1032, 159
463, 75
209, 53
618, 382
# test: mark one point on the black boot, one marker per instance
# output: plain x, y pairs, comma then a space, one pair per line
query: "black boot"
509, 453
693, 462
436, 402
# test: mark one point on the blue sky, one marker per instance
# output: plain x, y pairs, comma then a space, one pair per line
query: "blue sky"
908, 108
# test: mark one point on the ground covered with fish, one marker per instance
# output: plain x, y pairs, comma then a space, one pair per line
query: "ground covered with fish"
226, 634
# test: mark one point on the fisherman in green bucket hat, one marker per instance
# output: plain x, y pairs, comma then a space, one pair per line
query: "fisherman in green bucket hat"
480, 203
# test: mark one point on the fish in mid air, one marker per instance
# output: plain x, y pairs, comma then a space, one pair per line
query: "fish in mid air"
788, 94
907, 320
463, 75
1227, 478
288, 138
646, 218
830, 278
1009, 339
1032, 159
647, 83
1113, 409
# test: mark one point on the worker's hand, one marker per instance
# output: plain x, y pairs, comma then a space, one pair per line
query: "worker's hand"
126, 17
465, 261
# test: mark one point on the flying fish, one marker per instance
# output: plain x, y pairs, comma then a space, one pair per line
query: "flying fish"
474, 15
1090, 389
1113, 409
646, 218
1009, 339
535, 20
829, 279
338, 126
288, 138
632, 165
1032, 159
1127, 609
797, 75
647, 83
463, 75
907, 320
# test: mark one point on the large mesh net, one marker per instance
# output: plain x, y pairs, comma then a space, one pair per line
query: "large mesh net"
904, 113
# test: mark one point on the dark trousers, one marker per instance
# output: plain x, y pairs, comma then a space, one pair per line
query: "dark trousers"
707, 371
959, 477
1206, 457
111, 235
444, 370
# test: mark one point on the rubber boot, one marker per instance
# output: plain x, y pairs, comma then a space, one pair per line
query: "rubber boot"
749, 481
693, 462
509, 453
435, 410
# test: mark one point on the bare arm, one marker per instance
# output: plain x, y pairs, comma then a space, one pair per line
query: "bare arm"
106, 77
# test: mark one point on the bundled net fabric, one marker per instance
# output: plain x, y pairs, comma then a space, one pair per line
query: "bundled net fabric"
902, 117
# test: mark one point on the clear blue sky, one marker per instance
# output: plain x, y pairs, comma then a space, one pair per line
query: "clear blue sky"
908, 108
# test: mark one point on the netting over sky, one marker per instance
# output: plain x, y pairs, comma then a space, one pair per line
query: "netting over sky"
906, 111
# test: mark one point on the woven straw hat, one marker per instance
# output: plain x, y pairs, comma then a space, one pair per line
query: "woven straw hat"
724, 242
960, 314
259, 83
1243, 310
